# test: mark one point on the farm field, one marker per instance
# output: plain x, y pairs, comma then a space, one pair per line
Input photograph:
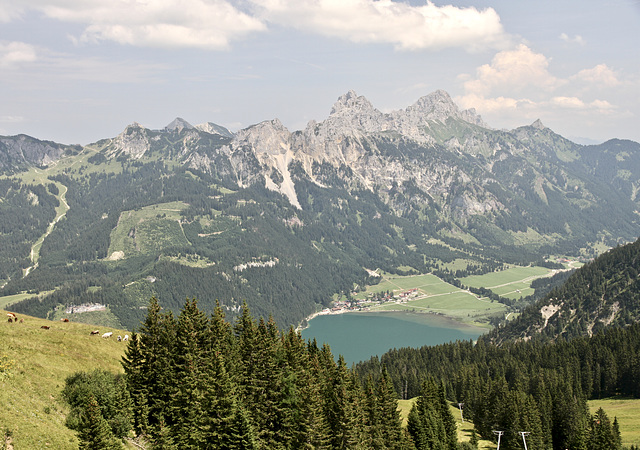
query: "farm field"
435, 296
9, 299
512, 283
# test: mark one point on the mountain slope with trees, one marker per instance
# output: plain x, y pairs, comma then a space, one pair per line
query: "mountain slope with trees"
286, 220
604, 293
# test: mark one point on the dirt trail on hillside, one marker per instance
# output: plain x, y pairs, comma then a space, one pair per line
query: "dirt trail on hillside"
35, 248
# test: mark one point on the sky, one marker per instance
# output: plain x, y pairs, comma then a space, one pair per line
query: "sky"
77, 71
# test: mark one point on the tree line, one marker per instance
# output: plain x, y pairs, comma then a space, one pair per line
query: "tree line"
523, 386
196, 381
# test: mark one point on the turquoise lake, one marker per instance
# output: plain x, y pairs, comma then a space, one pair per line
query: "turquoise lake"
359, 336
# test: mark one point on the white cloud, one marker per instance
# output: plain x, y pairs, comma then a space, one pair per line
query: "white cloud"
577, 39
11, 119
206, 24
513, 70
600, 75
15, 53
517, 86
384, 21
213, 24
9, 11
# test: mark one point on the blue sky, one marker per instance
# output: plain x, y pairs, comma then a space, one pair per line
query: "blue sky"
76, 71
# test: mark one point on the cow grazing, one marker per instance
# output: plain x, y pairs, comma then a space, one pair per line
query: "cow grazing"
64, 320
107, 335
95, 332
45, 327
21, 320
12, 317
10, 320
126, 337
119, 338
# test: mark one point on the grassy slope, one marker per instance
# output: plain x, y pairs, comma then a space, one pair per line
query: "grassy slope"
626, 410
38, 363
628, 413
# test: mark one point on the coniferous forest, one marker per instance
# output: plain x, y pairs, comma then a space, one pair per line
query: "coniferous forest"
196, 381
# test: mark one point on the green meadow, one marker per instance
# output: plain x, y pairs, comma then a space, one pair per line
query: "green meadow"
148, 229
513, 283
434, 296
34, 363
628, 413
626, 410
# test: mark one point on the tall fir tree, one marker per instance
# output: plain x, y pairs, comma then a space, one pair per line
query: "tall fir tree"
95, 433
133, 364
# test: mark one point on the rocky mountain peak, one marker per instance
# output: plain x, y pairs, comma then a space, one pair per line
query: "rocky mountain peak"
213, 128
133, 141
351, 102
270, 137
538, 125
178, 124
435, 106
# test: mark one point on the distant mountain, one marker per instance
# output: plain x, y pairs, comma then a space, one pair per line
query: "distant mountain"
21, 152
176, 212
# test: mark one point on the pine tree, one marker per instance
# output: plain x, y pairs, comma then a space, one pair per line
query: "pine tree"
157, 340
388, 415
95, 433
602, 434
133, 364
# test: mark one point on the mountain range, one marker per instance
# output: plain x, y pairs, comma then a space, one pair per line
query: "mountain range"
286, 220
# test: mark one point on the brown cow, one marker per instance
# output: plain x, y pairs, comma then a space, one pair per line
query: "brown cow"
45, 327
95, 332
64, 320
10, 320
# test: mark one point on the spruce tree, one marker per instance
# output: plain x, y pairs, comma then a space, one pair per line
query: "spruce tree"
133, 364
602, 434
388, 416
157, 341
95, 433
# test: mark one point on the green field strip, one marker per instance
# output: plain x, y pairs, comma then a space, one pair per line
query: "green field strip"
508, 276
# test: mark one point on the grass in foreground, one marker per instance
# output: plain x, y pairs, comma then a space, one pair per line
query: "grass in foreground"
33, 366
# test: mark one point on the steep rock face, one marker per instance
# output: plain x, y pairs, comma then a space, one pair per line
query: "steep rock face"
270, 142
134, 142
23, 151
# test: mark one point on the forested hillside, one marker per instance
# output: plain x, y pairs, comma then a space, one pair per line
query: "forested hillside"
526, 386
289, 221
604, 293
195, 382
